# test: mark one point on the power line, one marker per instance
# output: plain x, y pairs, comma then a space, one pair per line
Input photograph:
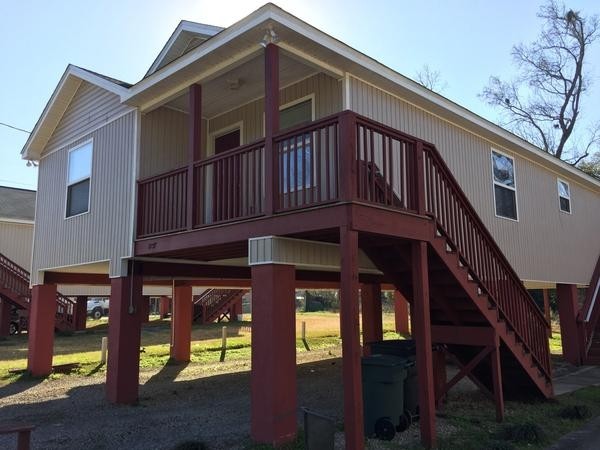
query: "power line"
15, 128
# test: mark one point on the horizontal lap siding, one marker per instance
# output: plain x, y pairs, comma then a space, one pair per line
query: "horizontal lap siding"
15, 242
545, 245
105, 232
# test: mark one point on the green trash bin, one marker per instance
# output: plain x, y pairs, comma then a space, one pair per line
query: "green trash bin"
405, 348
383, 379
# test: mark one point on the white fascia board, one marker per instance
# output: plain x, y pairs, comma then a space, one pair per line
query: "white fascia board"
184, 25
60, 92
18, 221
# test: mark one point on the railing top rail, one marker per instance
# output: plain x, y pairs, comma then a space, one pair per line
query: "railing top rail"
462, 197
182, 169
234, 151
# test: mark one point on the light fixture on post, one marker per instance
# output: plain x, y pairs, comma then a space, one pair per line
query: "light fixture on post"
269, 38
31, 163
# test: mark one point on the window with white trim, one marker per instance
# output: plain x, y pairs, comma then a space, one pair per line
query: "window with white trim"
78, 180
505, 190
564, 196
300, 163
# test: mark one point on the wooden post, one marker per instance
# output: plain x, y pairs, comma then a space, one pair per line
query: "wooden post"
81, 313
422, 334
271, 127
372, 325
223, 343
497, 380
567, 311
194, 149
351, 350
103, 350
348, 157
401, 313
419, 179
181, 323
547, 310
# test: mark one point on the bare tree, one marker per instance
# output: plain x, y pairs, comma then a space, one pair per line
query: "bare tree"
591, 166
431, 79
543, 104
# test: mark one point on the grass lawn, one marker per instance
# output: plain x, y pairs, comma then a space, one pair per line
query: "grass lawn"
322, 330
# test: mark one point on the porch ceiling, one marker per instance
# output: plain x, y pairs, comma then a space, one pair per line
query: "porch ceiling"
221, 94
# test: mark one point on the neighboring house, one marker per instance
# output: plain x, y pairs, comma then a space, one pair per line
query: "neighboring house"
269, 154
17, 211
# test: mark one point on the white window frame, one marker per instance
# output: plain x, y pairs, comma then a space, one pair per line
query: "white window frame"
512, 188
67, 184
558, 181
213, 135
313, 169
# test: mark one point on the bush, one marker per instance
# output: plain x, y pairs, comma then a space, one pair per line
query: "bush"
575, 412
528, 432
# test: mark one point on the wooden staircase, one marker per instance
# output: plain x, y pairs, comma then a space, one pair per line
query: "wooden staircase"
217, 305
589, 321
474, 292
14, 288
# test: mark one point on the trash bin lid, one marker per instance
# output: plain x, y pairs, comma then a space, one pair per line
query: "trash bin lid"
384, 361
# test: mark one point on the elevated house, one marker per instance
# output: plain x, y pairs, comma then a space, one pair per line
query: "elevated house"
270, 155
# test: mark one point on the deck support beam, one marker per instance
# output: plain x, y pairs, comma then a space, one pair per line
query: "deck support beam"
422, 335
124, 326
372, 319
351, 350
273, 377
567, 311
42, 316
181, 323
401, 313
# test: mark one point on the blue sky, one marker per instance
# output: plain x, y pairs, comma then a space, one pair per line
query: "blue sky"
467, 41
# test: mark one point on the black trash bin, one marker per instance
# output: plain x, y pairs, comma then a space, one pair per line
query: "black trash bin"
383, 380
405, 348
319, 431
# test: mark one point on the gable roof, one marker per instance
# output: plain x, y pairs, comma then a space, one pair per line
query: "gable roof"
59, 101
187, 36
17, 204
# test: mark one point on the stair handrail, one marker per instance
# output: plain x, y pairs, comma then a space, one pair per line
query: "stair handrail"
539, 350
590, 312
18, 275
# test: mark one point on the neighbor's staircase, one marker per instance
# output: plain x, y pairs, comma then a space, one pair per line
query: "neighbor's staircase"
217, 304
14, 287
471, 282
589, 321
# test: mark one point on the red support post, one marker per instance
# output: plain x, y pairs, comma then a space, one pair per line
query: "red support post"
547, 310
419, 178
351, 351
145, 309
567, 312
439, 374
194, 149
372, 324
497, 380
273, 378
422, 335
348, 156
401, 313
5, 313
81, 313
42, 313
181, 323
124, 327
271, 127
164, 306
236, 309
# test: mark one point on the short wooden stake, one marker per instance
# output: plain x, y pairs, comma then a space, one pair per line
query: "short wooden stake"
223, 344
304, 337
103, 350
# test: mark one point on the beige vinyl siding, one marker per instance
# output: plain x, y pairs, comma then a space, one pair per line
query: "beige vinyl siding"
15, 242
328, 100
105, 232
90, 108
164, 141
545, 244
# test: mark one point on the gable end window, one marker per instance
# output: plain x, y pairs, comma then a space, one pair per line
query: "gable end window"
78, 180
564, 196
505, 188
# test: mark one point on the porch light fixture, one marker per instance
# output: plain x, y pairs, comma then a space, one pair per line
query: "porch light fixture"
270, 37
31, 163
234, 83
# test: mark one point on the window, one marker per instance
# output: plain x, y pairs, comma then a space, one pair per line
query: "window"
505, 191
564, 196
227, 141
297, 153
78, 180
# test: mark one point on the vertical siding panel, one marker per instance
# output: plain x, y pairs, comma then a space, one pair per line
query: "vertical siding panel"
15, 242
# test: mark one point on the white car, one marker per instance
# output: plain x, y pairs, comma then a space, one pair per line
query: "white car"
97, 307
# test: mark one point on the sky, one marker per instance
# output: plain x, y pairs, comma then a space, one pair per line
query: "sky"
466, 41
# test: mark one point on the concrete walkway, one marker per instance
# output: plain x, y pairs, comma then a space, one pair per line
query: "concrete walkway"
588, 437
583, 377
